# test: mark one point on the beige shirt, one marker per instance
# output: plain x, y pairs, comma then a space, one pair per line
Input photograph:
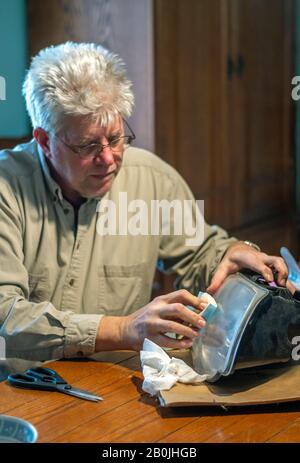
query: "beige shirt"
58, 276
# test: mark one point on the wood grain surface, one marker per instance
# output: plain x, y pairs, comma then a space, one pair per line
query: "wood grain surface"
129, 415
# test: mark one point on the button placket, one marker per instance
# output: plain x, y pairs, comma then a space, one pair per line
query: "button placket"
70, 297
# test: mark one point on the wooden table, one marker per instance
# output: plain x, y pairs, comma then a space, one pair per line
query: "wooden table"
127, 414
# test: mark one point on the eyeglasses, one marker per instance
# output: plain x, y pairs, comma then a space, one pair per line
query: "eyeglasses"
90, 151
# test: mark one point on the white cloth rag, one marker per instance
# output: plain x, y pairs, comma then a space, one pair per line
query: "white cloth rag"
161, 372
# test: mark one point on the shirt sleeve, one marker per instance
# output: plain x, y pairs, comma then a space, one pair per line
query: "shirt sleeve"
194, 265
34, 331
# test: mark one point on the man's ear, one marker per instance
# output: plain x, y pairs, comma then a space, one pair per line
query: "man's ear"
42, 139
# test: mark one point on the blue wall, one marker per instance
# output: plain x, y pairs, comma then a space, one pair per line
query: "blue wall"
14, 121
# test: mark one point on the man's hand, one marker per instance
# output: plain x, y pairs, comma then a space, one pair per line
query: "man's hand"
165, 314
290, 286
241, 256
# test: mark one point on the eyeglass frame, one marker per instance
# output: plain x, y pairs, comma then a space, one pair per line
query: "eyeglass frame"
76, 149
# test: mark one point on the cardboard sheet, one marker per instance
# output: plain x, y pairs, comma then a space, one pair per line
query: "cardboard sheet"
260, 385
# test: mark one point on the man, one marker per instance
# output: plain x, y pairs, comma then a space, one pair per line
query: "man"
66, 288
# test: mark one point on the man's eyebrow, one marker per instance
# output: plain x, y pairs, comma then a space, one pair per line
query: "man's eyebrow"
90, 141
87, 141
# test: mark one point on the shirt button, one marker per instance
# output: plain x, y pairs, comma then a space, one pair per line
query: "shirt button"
66, 211
71, 282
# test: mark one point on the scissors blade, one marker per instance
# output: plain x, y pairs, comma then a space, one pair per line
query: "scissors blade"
80, 393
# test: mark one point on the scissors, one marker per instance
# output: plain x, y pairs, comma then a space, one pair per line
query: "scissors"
48, 380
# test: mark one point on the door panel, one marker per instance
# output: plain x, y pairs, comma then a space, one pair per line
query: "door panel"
261, 101
191, 45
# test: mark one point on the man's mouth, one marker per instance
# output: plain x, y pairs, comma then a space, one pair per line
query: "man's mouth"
102, 175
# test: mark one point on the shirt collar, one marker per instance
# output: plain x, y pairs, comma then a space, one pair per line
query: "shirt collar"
54, 187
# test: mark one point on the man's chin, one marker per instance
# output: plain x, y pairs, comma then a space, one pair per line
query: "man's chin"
97, 193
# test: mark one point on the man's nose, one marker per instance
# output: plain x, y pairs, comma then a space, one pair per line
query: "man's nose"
106, 156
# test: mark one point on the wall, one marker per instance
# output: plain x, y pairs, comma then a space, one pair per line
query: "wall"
14, 121
123, 26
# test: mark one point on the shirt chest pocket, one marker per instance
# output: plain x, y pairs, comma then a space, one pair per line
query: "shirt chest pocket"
122, 288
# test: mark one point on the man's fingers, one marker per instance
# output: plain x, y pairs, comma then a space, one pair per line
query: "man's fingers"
165, 341
220, 275
170, 326
290, 287
280, 267
184, 297
265, 265
266, 272
178, 311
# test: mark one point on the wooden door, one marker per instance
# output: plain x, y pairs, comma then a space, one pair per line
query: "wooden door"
191, 41
223, 105
260, 119
223, 111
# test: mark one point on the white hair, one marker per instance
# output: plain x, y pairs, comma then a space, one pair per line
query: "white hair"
81, 79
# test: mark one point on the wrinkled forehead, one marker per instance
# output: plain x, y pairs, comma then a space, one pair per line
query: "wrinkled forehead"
86, 126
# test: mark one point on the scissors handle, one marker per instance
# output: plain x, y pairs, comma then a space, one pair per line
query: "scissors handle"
46, 374
37, 378
30, 382
48, 380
